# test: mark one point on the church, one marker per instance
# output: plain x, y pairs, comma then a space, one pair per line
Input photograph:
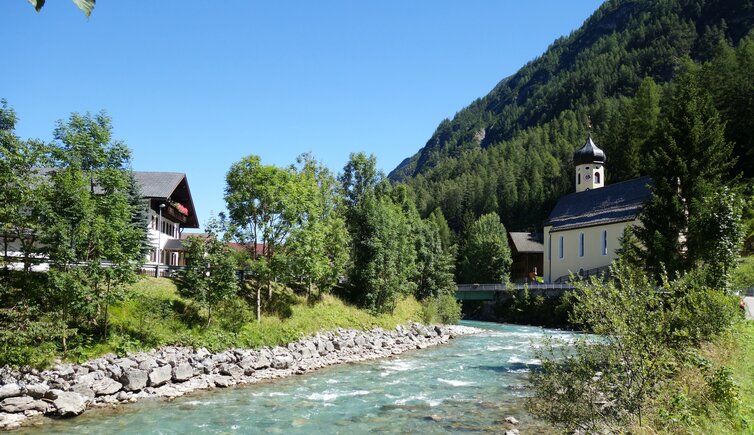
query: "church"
583, 231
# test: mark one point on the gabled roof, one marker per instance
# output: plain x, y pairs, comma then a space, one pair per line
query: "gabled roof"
617, 202
158, 184
527, 242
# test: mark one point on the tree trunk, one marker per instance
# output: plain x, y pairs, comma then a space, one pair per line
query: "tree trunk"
269, 290
209, 315
107, 306
259, 303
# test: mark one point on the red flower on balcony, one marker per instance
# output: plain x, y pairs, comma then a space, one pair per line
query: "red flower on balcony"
181, 208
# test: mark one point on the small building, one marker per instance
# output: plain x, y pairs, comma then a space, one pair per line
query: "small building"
583, 231
171, 210
527, 253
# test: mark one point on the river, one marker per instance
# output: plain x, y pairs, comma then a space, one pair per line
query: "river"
470, 385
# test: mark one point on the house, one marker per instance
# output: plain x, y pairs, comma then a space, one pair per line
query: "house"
583, 231
527, 253
171, 210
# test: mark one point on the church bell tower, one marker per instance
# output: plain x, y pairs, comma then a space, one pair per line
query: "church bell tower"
589, 161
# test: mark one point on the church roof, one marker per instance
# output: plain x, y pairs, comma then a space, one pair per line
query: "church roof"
588, 153
617, 202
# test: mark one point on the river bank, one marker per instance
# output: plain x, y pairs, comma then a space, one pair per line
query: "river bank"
170, 372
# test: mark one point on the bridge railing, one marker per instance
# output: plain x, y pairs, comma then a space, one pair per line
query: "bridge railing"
512, 287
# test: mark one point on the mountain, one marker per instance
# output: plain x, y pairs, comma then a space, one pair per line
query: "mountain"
510, 151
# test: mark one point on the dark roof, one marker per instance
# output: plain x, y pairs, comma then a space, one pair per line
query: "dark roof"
588, 153
618, 202
527, 242
158, 184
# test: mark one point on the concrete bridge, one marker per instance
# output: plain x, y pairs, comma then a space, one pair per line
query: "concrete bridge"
500, 292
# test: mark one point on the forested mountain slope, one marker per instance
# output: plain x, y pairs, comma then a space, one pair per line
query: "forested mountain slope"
510, 151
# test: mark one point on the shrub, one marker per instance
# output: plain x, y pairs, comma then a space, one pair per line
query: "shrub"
441, 309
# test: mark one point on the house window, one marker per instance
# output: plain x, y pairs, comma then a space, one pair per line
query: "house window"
579, 179
560, 247
581, 245
604, 242
596, 177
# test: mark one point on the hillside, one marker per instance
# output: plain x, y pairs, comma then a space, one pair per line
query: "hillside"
510, 151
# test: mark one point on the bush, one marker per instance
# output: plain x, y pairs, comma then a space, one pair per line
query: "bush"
646, 335
441, 309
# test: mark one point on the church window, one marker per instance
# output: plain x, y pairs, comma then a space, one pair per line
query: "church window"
579, 179
604, 242
581, 245
596, 177
560, 247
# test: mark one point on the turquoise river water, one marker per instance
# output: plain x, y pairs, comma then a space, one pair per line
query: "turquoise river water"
470, 385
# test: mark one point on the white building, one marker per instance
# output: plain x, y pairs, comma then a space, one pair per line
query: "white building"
583, 231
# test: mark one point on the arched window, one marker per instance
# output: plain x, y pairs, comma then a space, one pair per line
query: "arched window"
581, 245
578, 180
560, 247
596, 177
604, 242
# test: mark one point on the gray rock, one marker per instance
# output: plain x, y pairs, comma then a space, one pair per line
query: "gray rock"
115, 371
511, 420
183, 372
232, 370
106, 387
17, 404
223, 381
36, 391
513, 431
262, 362
68, 403
11, 421
148, 364
84, 390
124, 396
282, 361
65, 371
134, 379
160, 375
360, 341
10, 390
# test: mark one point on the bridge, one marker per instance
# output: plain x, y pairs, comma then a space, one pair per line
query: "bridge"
494, 292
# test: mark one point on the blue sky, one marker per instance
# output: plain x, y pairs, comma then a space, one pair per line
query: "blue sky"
194, 86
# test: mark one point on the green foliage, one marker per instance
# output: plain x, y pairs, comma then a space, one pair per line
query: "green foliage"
209, 277
443, 308
645, 335
485, 254
434, 262
742, 277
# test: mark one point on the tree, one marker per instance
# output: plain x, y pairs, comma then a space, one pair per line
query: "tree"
435, 264
86, 6
485, 254
21, 189
210, 274
91, 215
690, 161
318, 246
265, 203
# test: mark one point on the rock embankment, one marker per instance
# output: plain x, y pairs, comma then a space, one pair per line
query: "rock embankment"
69, 389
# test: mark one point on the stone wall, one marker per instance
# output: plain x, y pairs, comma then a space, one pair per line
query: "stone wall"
69, 389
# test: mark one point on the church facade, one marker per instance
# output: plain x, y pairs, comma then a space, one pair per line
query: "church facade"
583, 231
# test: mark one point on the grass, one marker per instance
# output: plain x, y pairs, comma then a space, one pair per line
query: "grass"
154, 315
700, 400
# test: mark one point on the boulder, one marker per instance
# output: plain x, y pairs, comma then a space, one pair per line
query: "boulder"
68, 403
106, 387
511, 420
84, 390
282, 361
262, 362
148, 364
134, 379
223, 381
232, 370
160, 375
65, 371
17, 404
183, 372
11, 421
36, 391
10, 390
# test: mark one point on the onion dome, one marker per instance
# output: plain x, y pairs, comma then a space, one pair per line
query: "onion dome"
589, 153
